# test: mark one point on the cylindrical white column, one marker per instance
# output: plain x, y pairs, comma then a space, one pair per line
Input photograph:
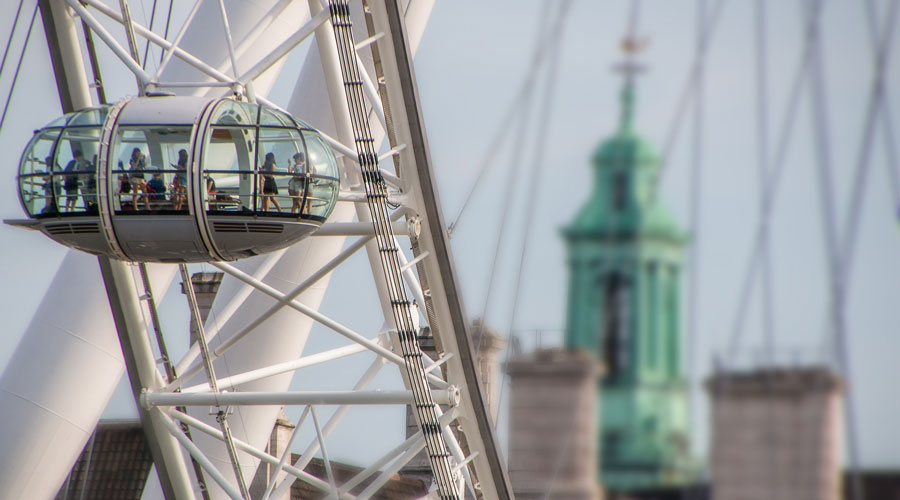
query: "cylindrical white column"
59, 379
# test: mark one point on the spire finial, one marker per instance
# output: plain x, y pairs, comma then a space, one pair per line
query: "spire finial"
632, 44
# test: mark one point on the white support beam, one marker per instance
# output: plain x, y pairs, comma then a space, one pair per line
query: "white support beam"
319, 317
415, 261
394, 198
435, 364
288, 451
222, 318
357, 229
265, 457
161, 42
453, 444
414, 441
410, 276
277, 369
388, 473
462, 464
341, 148
391, 152
201, 459
321, 439
449, 396
284, 48
184, 27
110, 41
350, 153
369, 41
143, 372
229, 41
193, 85
336, 417
370, 91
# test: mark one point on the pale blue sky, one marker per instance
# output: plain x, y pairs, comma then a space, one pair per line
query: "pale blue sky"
470, 62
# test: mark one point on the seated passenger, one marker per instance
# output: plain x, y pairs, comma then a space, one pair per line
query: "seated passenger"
268, 186
157, 188
124, 187
50, 187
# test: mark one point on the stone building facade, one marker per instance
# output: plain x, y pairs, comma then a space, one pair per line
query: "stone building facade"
776, 434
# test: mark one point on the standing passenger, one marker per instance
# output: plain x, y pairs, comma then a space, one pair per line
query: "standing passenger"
298, 183
179, 186
138, 184
71, 180
89, 184
269, 187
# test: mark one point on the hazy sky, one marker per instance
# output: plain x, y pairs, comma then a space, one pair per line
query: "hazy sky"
472, 59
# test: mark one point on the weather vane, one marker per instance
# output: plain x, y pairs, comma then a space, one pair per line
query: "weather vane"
632, 45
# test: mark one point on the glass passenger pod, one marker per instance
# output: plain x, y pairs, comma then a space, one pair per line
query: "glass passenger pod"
57, 179
266, 179
183, 179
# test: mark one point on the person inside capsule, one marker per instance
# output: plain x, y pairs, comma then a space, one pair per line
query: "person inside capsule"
297, 184
71, 182
50, 186
268, 186
179, 184
88, 182
136, 179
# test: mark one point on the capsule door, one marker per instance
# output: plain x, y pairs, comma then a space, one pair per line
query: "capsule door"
149, 186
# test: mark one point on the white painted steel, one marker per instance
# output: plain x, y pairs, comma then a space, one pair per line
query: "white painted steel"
123, 290
265, 457
204, 462
282, 337
284, 49
69, 361
356, 229
416, 440
307, 455
228, 383
286, 454
60, 378
152, 399
111, 42
449, 319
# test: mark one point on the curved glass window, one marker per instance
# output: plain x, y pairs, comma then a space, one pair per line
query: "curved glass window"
235, 113
77, 152
324, 185
149, 169
228, 169
86, 117
277, 147
260, 160
275, 118
36, 183
58, 171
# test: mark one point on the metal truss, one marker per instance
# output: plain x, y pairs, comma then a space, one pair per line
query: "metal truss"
163, 387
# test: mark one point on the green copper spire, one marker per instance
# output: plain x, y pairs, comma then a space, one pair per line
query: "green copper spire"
626, 122
625, 254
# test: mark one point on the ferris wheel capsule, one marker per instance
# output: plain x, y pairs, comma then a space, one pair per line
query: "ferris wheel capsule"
178, 179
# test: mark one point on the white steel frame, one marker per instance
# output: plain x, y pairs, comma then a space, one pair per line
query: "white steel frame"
451, 377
